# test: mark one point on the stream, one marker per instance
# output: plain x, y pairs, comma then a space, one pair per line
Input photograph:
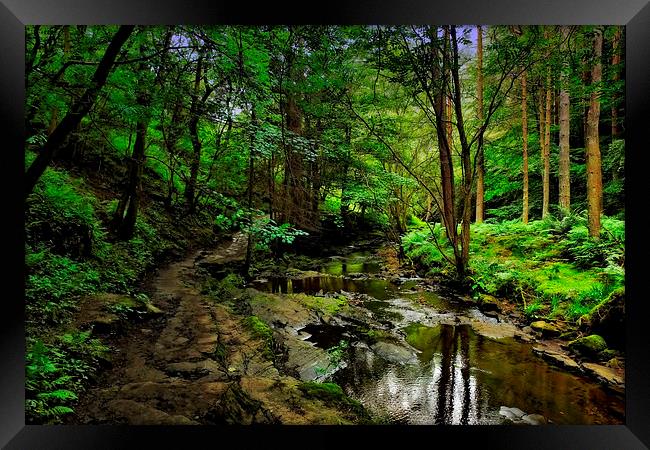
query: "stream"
438, 360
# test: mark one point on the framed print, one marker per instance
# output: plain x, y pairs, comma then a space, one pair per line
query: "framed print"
388, 221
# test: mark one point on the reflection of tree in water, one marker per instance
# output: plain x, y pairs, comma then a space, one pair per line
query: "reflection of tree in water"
443, 392
454, 396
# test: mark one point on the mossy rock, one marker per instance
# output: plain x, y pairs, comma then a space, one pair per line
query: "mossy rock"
489, 303
332, 394
608, 319
545, 328
589, 346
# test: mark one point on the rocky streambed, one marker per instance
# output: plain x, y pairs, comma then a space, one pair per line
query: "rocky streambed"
412, 353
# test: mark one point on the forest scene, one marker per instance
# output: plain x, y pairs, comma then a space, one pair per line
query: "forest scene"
325, 225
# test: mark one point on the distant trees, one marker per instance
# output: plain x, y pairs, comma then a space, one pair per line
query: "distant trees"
353, 126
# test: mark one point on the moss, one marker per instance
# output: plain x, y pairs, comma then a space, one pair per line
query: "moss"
332, 394
261, 330
374, 335
327, 305
589, 346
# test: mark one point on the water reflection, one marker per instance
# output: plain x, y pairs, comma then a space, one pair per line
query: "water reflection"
460, 377
464, 378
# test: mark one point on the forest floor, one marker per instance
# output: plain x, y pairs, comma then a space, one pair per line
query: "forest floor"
197, 363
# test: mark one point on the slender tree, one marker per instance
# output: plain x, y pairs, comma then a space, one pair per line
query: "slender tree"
524, 132
480, 155
563, 172
594, 165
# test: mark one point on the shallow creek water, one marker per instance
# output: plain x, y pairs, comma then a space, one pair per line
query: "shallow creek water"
435, 369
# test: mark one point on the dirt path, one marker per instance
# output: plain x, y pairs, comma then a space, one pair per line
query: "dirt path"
196, 364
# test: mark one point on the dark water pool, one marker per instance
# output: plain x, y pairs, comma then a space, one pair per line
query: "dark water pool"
456, 376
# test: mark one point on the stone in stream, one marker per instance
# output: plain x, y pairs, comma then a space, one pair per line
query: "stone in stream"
557, 358
394, 353
511, 413
605, 374
517, 416
534, 419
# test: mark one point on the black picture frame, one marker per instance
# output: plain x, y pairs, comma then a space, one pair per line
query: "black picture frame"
15, 14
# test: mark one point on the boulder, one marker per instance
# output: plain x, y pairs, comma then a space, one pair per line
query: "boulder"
489, 303
394, 353
588, 346
545, 328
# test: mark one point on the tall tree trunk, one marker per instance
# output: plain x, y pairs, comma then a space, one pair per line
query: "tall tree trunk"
524, 130
132, 193
480, 156
77, 111
251, 173
345, 199
190, 187
564, 174
616, 60
547, 147
129, 202
463, 262
594, 169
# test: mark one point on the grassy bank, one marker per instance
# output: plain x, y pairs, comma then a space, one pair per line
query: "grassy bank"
549, 268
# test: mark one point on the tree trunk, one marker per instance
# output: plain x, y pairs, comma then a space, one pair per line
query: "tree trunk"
132, 194
190, 187
564, 174
125, 224
77, 111
594, 169
480, 163
251, 173
547, 147
345, 199
524, 130
616, 60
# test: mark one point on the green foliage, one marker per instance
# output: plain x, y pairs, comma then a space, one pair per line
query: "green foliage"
332, 394
262, 331
55, 374
549, 267
265, 231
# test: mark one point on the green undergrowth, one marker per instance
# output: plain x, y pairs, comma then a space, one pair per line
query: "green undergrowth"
550, 268
262, 331
326, 305
332, 394
70, 253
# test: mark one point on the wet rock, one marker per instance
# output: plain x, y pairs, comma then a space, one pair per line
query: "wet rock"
394, 353
557, 358
534, 419
524, 337
588, 346
511, 413
545, 328
494, 330
605, 374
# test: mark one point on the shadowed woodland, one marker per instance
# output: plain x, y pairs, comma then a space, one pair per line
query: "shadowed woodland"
185, 187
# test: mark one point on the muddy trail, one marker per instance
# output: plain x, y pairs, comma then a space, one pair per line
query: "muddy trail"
196, 363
